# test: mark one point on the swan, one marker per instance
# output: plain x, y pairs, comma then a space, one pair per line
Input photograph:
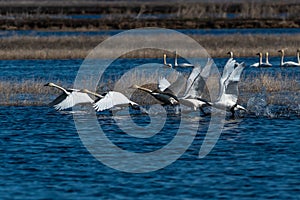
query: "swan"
228, 93
69, 98
166, 97
181, 64
288, 63
109, 100
258, 64
195, 85
165, 62
267, 60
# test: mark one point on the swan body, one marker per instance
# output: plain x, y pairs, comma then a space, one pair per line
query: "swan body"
69, 98
165, 62
110, 100
181, 64
166, 97
287, 63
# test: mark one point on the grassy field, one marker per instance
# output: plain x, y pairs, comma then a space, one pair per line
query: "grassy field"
31, 47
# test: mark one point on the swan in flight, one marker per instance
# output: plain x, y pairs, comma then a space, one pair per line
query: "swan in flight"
110, 100
287, 63
69, 98
181, 64
195, 85
166, 97
228, 93
165, 62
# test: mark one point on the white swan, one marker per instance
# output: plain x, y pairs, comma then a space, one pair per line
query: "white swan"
267, 63
194, 87
288, 63
228, 93
258, 64
69, 98
181, 64
165, 62
110, 100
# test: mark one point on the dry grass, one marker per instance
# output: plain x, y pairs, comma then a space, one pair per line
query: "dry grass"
32, 92
31, 47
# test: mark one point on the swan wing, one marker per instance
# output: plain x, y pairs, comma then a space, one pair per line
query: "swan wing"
67, 101
228, 69
177, 86
163, 84
112, 99
190, 83
231, 84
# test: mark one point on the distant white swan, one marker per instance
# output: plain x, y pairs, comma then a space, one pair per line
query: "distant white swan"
287, 63
69, 98
258, 64
228, 93
165, 62
181, 64
110, 100
267, 63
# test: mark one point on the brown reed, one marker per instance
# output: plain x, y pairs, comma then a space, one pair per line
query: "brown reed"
32, 47
279, 89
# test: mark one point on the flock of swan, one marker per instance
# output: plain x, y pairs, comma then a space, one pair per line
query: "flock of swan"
282, 63
166, 93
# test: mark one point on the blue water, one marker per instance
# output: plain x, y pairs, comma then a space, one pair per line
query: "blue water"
5, 33
43, 157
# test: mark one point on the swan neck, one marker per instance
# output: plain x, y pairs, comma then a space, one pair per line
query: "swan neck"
93, 93
61, 88
282, 56
260, 59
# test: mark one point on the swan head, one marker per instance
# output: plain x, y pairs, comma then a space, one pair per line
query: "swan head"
50, 84
259, 54
230, 53
298, 50
281, 51
267, 53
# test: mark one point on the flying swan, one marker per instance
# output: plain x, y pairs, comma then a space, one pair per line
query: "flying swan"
68, 98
